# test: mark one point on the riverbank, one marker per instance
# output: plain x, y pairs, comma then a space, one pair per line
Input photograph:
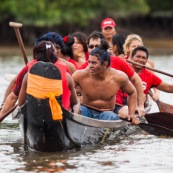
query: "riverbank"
159, 46
155, 46
14, 51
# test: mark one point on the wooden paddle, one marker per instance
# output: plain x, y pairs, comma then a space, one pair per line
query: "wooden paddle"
160, 118
16, 27
164, 118
154, 129
149, 68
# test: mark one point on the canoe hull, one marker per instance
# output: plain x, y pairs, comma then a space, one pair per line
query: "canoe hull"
71, 133
42, 133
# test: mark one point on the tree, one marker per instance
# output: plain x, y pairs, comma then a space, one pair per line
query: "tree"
160, 7
56, 12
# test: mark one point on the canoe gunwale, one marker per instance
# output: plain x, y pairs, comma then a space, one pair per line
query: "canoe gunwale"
94, 122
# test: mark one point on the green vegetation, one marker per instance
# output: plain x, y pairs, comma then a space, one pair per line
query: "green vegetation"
55, 12
160, 7
145, 17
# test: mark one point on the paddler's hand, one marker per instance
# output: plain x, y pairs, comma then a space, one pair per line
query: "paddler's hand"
133, 119
76, 108
141, 111
155, 97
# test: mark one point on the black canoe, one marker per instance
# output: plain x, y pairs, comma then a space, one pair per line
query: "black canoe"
42, 133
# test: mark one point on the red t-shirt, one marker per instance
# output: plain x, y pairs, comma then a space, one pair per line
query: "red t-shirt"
19, 79
120, 64
149, 80
87, 55
66, 92
77, 65
63, 69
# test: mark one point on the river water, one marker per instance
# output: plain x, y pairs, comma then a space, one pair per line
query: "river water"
132, 154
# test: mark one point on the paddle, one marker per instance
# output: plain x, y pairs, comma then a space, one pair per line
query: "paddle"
16, 27
7, 113
163, 118
163, 107
149, 68
160, 118
154, 129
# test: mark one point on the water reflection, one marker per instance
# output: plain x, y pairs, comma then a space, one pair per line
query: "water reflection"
131, 154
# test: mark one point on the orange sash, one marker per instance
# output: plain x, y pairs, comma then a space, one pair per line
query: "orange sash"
41, 87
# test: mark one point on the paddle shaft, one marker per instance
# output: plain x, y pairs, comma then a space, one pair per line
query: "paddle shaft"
16, 27
19, 38
7, 113
149, 68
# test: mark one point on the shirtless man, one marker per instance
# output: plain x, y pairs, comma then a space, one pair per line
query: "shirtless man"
99, 85
118, 63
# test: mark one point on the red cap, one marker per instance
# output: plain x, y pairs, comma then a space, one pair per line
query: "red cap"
108, 22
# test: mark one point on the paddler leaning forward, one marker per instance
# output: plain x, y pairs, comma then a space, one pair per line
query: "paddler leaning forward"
99, 84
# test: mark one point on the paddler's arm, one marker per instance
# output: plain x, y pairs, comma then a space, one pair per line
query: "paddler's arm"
129, 88
136, 80
9, 103
77, 85
22, 94
74, 99
9, 89
75, 104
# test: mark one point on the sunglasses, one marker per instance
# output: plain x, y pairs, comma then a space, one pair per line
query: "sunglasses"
91, 46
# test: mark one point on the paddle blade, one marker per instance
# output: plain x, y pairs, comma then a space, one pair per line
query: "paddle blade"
163, 119
156, 130
164, 107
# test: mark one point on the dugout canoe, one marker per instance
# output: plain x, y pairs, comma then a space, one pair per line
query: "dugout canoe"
74, 131
42, 133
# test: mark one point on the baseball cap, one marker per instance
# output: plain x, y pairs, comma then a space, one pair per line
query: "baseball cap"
108, 22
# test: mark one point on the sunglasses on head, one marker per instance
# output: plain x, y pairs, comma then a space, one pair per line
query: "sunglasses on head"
91, 46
